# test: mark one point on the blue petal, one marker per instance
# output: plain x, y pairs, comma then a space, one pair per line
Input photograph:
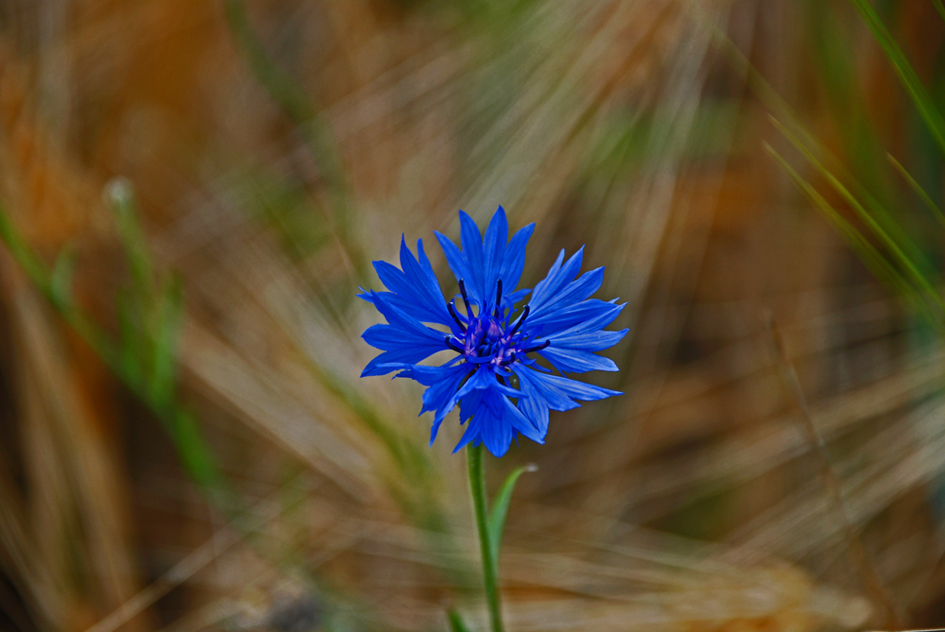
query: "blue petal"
496, 431
418, 292
509, 300
459, 264
569, 388
471, 434
594, 341
576, 361
390, 338
470, 404
497, 234
537, 389
472, 248
565, 318
543, 392
382, 364
588, 336
575, 291
593, 321
495, 422
542, 288
440, 395
399, 318
482, 378
559, 276
535, 408
511, 270
425, 285
522, 424
404, 339
443, 382
430, 375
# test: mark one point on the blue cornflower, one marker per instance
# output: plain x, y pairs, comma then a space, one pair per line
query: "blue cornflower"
494, 344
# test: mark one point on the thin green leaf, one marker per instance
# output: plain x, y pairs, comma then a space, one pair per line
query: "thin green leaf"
119, 193
907, 75
932, 206
193, 449
130, 341
24, 255
456, 621
311, 124
500, 509
940, 7
164, 362
60, 281
871, 257
910, 263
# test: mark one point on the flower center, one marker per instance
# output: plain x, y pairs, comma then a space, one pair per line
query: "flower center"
490, 335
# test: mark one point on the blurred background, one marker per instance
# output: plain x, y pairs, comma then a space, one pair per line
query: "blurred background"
192, 192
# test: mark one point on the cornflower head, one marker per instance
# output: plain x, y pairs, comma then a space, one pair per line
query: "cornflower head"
493, 375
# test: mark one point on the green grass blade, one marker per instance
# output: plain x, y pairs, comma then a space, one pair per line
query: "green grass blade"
917, 188
456, 621
35, 269
878, 265
193, 449
120, 195
500, 509
907, 75
312, 126
281, 88
910, 262
168, 324
129, 338
940, 7
38, 273
60, 281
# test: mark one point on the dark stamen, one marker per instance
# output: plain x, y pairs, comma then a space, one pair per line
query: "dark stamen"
453, 345
536, 347
498, 296
452, 309
462, 289
521, 320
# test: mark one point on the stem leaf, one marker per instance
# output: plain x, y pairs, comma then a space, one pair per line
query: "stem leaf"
500, 509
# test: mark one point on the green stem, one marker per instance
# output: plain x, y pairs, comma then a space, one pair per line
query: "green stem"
490, 570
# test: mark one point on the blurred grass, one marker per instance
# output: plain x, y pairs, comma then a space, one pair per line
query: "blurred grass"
277, 147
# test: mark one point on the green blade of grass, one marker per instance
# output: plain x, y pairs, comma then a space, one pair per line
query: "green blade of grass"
907, 75
120, 195
878, 265
783, 112
456, 621
129, 338
169, 320
919, 191
876, 216
60, 281
910, 262
193, 449
312, 126
940, 7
